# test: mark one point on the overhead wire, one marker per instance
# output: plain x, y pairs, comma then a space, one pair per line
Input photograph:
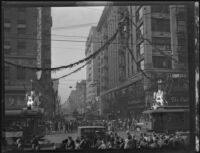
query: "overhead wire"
73, 26
118, 43
129, 50
93, 55
78, 69
161, 51
79, 41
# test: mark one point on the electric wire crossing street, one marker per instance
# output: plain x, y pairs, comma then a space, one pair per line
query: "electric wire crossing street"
117, 76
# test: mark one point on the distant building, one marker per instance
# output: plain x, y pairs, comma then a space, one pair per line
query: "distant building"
55, 85
57, 100
77, 98
93, 68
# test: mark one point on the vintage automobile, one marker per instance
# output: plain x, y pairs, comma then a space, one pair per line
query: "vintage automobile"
92, 132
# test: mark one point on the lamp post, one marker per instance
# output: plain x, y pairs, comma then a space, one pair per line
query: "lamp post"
31, 84
30, 97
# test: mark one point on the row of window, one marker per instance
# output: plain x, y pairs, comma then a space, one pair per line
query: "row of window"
19, 21
21, 74
162, 62
161, 25
158, 62
160, 43
154, 9
20, 29
160, 9
20, 45
19, 9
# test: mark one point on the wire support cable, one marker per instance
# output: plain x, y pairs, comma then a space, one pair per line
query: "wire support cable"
92, 56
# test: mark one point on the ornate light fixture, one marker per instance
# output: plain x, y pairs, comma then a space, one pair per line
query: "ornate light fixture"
39, 74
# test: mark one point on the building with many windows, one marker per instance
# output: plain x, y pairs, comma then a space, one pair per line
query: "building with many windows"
20, 31
27, 41
93, 67
157, 37
112, 57
77, 98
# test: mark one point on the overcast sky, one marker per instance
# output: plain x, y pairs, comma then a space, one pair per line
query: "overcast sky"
71, 21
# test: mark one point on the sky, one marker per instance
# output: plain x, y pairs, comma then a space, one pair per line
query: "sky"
68, 25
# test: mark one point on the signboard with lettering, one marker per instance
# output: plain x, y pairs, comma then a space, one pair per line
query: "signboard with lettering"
175, 86
174, 99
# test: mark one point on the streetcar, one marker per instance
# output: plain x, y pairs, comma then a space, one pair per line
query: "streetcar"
23, 123
166, 119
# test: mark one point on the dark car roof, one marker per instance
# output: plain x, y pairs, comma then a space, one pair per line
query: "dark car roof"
90, 127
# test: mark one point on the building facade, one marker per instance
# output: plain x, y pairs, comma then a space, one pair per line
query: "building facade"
27, 41
93, 67
157, 37
20, 44
77, 98
112, 58
45, 84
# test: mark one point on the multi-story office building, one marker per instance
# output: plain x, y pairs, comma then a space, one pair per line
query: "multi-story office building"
112, 59
93, 68
20, 31
45, 84
161, 55
27, 41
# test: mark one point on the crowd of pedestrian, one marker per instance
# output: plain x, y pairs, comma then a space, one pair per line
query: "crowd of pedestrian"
111, 125
132, 141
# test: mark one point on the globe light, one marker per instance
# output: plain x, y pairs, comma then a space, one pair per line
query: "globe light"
39, 74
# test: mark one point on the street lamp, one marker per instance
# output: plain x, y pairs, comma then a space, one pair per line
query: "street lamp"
39, 74
30, 99
31, 84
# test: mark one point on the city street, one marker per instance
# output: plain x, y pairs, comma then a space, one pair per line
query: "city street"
58, 137
98, 68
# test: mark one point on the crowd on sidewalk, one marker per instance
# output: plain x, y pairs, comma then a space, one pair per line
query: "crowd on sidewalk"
114, 141
112, 125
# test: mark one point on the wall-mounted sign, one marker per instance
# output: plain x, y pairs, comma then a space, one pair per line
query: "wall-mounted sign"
177, 98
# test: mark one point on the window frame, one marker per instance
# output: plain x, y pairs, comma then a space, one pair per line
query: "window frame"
160, 25
19, 76
165, 43
159, 63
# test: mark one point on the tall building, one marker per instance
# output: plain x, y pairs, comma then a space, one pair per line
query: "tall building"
93, 68
27, 41
45, 84
112, 59
20, 44
165, 30
46, 22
